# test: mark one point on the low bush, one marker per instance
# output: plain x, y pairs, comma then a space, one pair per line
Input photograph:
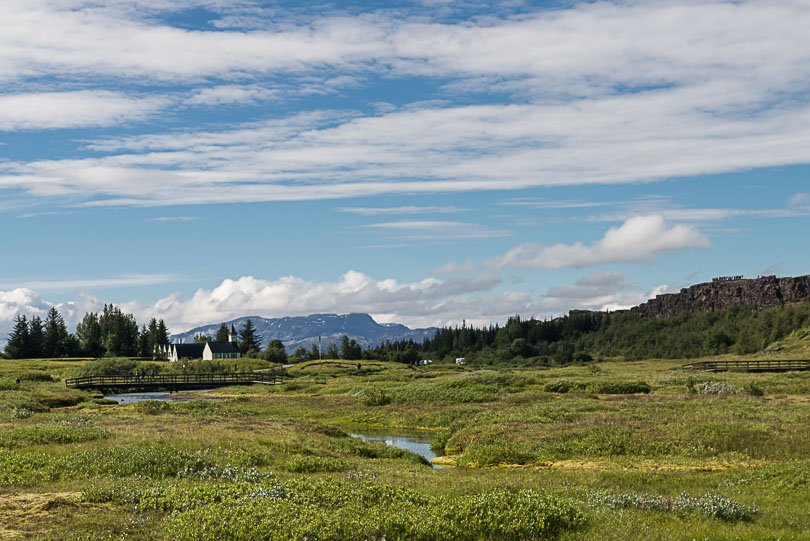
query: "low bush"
47, 434
620, 387
711, 505
36, 376
328, 509
315, 464
374, 396
714, 388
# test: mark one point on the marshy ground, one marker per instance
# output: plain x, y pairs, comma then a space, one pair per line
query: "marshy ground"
605, 451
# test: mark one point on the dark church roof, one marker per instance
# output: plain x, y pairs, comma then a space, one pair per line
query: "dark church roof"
223, 347
189, 351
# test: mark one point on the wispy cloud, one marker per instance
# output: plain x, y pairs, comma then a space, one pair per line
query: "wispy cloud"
610, 93
438, 230
170, 219
84, 108
536, 203
124, 281
409, 209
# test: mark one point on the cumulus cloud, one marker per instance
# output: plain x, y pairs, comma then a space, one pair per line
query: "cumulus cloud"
598, 290
83, 108
637, 239
28, 302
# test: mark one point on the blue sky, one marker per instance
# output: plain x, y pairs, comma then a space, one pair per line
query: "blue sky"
426, 161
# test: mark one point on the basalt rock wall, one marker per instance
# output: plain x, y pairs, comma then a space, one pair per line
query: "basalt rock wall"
727, 293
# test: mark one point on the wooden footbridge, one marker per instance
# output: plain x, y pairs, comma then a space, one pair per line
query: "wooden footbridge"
748, 366
175, 382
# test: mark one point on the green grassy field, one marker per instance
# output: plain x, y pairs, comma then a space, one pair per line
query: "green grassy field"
606, 451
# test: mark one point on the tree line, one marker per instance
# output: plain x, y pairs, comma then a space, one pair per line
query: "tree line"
582, 335
110, 333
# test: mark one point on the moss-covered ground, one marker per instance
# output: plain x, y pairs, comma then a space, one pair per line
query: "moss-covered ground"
604, 451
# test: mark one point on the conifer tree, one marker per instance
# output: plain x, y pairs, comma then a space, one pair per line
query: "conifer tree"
36, 338
18, 344
56, 335
88, 331
223, 334
248, 339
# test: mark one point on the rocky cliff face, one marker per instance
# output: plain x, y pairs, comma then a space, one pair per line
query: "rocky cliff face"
722, 294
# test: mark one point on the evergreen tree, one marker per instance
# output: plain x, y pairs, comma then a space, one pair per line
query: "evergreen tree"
350, 349
162, 336
36, 338
314, 352
88, 331
248, 338
18, 345
144, 340
275, 352
332, 352
201, 338
56, 335
223, 334
119, 332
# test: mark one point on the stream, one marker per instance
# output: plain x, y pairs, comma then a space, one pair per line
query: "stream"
163, 396
415, 443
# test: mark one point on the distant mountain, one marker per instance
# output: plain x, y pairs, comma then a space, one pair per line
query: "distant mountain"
304, 330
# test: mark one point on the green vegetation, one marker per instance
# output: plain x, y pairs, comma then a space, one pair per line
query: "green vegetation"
581, 335
600, 451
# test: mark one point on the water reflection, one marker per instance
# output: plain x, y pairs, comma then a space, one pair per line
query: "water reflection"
415, 443
162, 396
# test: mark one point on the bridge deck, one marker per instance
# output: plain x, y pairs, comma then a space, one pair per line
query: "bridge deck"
174, 381
749, 366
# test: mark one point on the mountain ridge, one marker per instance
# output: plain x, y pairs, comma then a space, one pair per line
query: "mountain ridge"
304, 331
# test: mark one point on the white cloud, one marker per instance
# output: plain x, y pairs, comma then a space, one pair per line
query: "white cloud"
128, 280
449, 268
598, 290
170, 219
637, 239
83, 108
27, 302
423, 303
410, 209
439, 230
800, 201
611, 92
231, 95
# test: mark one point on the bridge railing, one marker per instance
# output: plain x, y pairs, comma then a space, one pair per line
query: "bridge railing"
176, 379
749, 366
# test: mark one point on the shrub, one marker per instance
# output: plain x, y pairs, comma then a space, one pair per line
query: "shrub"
620, 387
152, 407
715, 388
561, 386
374, 396
36, 376
338, 510
754, 390
314, 464
712, 505
45, 434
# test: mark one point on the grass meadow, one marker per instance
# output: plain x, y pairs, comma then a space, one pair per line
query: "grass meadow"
604, 451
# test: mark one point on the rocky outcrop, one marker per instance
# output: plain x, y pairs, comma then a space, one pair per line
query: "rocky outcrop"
725, 293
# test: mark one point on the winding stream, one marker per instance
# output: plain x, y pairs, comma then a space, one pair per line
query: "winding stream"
415, 443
